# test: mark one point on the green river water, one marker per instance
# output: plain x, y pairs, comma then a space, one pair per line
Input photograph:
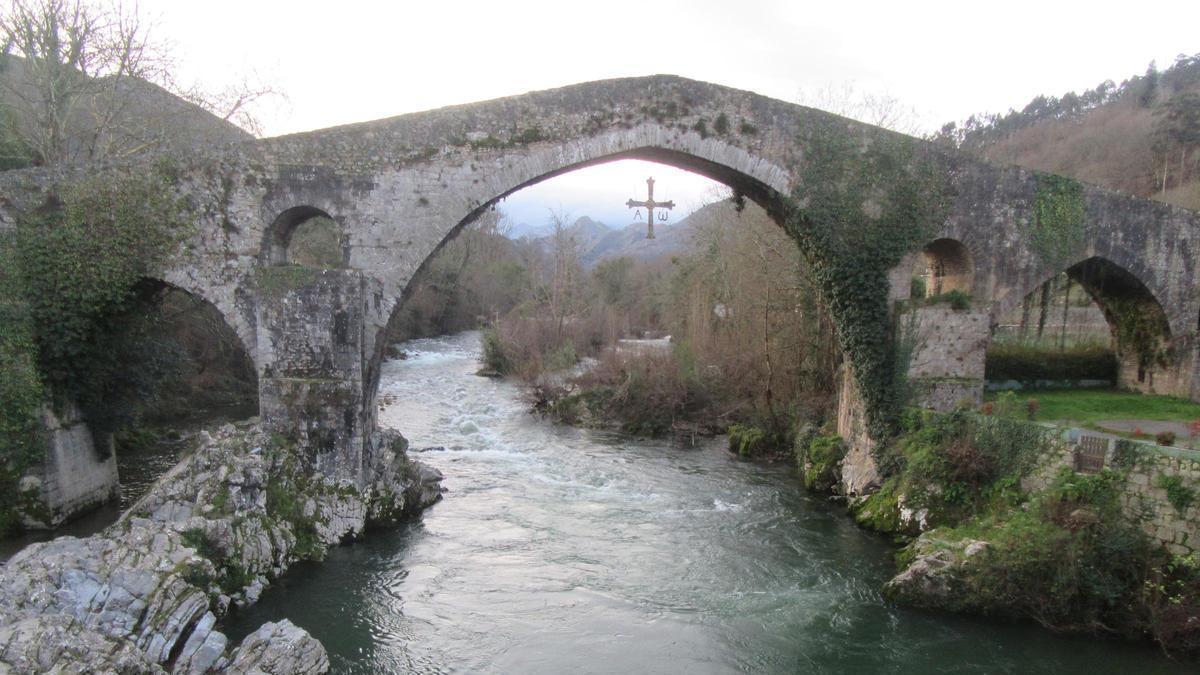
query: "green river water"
561, 550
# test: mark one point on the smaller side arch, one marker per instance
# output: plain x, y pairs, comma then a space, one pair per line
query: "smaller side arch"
1140, 327
948, 266
216, 362
278, 239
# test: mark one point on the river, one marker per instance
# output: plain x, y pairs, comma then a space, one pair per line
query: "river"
562, 550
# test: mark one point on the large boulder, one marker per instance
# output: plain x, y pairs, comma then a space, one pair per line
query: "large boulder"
145, 595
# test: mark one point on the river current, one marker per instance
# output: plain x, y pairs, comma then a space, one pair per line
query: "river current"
562, 550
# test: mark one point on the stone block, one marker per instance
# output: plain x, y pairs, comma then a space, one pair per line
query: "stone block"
310, 323
77, 476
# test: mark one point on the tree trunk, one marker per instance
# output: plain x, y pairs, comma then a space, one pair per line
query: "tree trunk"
1062, 336
1044, 307
1026, 308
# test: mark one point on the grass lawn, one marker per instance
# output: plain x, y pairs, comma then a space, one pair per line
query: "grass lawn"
1085, 407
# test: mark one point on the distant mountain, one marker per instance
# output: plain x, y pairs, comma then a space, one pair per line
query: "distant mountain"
597, 241
588, 232
631, 242
584, 229
669, 239
525, 230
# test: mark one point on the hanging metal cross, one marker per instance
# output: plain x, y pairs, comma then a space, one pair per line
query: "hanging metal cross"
650, 205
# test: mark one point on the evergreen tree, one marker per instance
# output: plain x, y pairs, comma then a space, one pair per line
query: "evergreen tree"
1149, 90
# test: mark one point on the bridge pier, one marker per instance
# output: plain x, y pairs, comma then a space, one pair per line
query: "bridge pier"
943, 352
310, 349
1172, 375
946, 352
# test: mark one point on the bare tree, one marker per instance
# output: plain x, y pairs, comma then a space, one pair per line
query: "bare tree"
879, 108
565, 280
86, 80
235, 102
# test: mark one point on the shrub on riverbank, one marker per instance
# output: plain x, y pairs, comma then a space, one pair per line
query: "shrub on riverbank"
762, 439
644, 391
495, 358
1067, 556
1070, 559
530, 347
818, 457
648, 394
950, 467
752, 344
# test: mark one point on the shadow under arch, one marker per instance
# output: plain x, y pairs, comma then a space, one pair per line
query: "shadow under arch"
744, 186
217, 373
1141, 331
277, 240
949, 266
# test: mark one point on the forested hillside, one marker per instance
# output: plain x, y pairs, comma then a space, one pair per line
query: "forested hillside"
1141, 136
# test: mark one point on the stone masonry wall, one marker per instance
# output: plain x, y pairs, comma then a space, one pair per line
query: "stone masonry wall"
949, 349
1142, 495
74, 478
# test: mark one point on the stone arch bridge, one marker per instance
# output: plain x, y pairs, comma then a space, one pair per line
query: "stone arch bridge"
399, 188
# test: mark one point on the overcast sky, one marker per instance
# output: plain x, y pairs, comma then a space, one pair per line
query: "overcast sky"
349, 61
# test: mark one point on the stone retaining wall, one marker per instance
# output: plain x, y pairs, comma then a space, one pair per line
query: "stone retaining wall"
76, 477
1143, 495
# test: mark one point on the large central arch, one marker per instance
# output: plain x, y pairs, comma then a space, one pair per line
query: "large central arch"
752, 187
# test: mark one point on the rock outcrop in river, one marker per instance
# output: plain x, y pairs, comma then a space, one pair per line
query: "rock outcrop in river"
145, 595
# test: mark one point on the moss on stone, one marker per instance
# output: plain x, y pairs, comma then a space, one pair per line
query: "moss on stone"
1069, 559
746, 440
278, 280
819, 458
1179, 494
1058, 225
880, 511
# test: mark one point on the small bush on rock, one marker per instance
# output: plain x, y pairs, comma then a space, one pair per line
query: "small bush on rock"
1180, 495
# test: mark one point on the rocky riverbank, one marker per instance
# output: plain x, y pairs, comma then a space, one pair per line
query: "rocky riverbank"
999, 522
146, 594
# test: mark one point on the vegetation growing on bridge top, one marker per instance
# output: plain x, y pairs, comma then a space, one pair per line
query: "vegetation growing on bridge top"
279, 279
